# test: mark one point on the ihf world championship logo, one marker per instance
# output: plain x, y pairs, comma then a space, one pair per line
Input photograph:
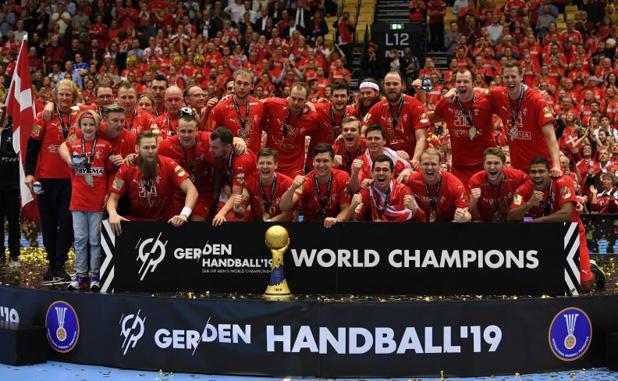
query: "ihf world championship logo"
570, 334
62, 326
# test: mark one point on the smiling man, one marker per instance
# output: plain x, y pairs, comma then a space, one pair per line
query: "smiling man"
385, 200
402, 117
442, 196
350, 146
323, 193
543, 199
492, 189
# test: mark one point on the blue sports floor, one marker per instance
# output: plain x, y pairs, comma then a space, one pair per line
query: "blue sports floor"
58, 371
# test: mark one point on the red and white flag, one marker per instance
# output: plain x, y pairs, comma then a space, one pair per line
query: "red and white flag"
20, 107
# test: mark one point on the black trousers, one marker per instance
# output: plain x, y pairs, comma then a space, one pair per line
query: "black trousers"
9, 208
56, 221
436, 35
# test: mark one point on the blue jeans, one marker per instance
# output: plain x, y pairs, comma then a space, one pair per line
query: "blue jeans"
87, 228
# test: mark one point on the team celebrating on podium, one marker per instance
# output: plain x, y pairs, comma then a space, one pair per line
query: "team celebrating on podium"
241, 158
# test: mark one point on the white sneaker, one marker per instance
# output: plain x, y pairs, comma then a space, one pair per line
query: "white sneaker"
14, 263
95, 284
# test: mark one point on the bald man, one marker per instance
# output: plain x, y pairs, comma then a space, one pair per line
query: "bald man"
168, 121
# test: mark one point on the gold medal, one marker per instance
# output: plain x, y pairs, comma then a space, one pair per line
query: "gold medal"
472, 132
89, 179
433, 216
265, 216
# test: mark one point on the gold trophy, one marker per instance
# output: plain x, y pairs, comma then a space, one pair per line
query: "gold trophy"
277, 240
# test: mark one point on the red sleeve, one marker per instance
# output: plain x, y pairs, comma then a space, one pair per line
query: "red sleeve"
459, 193
566, 191
521, 195
244, 165
371, 117
178, 173
38, 128
441, 108
213, 119
365, 206
543, 112
120, 183
343, 179
421, 120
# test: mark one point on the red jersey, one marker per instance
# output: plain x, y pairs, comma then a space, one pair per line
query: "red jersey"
399, 164
560, 192
328, 199
399, 121
349, 156
235, 170
286, 133
51, 135
166, 124
89, 183
530, 113
331, 123
468, 141
607, 202
123, 145
140, 121
198, 164
495, 200
228, 113
150, 198
265, 199
442, 198
376, 210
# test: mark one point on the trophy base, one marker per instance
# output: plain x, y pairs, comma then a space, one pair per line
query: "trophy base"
279, 291
277, 297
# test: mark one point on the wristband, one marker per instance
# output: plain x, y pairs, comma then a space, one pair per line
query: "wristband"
186, 211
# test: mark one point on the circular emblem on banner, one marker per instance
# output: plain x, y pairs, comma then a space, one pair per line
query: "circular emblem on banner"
570, 334
62, 326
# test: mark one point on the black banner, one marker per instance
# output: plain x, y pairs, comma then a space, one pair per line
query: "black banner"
353, 258
310, 338
399, 36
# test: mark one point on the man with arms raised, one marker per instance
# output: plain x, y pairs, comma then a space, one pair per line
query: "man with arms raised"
442, 196
323, 193
150, 184
384, 199
543, 199
240, 113
402, 117
492, 189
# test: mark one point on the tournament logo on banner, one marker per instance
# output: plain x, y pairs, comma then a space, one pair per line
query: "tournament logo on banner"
62, 326
147, 250
131, 329
570, 334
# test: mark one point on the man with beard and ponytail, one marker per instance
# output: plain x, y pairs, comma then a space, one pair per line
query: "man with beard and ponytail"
492, 189
350, 146
384, 199
468, 118
323, 193
234, 168
150, 184
44, 164
362, 166
369, 95
442, 196
543, 199
264, 188
240, 113
168, 121
288, 122
403, 118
